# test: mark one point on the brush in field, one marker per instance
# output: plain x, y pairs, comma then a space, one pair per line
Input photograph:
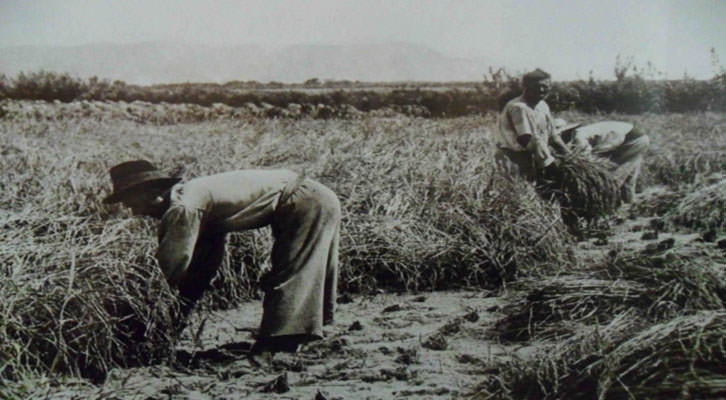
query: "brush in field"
85, 321
584, 187
704, 208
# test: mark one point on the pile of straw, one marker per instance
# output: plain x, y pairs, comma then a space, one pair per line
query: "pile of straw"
704, 208
681, 358
567, 369
478, 235
559, 306
677, 280
655, 286
79, 296
584, 187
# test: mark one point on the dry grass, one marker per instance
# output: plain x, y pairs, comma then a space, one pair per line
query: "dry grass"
584, 187
422, 210
566, 369
558, 307
704, 208
653, 285
679, 358
677, 280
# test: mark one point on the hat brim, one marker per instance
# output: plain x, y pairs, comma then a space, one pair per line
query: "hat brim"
567, 127
116, 197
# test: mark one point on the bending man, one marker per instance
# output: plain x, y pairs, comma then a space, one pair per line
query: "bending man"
300, 288
619, 142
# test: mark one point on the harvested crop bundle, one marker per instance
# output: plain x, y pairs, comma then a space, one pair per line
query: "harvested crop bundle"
569, 369
559, 305
681, 358
677, 280
654, 285
705, 208
584, 187
86, 321
447, 231
78, 301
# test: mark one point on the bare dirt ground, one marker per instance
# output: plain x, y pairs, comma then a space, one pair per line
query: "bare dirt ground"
433, 345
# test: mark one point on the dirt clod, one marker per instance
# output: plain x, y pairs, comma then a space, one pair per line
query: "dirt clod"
451, 327
277, 385
472, 316
436, 341
392, 308
356, 326
320, 396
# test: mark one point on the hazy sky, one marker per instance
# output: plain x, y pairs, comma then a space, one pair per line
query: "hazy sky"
568, 38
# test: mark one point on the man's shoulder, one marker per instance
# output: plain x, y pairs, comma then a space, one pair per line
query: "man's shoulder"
516, 102
515, 106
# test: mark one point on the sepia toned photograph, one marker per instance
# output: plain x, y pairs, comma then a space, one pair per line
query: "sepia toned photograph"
362, 199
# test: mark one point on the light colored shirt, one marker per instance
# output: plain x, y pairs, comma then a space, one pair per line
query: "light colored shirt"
220, 203
517, 118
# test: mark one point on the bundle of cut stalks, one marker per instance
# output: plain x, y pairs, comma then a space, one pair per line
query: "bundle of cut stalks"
677, 280
682, 358
584, 187
396, 254
85, 321
558, 306
80, 295
568, 369
525, 235
705, 208
657, 286
476, 235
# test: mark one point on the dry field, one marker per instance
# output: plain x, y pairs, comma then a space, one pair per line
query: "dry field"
456, 282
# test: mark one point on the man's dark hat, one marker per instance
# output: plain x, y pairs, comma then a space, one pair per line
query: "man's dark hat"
535, 76
135, 175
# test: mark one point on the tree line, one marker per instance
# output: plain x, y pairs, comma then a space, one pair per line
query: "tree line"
630, 93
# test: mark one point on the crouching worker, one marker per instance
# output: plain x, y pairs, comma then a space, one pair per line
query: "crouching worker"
619, 142
299, 290
526, 139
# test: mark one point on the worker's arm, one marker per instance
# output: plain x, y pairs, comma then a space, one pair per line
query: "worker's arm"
560, 144
521, 125
581, 144
178, 234
527, 138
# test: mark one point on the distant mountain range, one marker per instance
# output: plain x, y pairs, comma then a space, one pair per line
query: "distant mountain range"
163, 62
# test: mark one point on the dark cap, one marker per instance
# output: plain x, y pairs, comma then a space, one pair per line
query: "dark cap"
535, 76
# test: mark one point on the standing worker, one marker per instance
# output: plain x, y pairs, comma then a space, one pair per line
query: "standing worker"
299, 290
